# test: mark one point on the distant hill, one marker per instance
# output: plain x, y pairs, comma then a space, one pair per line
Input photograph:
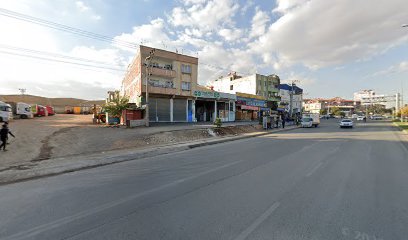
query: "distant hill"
30, 99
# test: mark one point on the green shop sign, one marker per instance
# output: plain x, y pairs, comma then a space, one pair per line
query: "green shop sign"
203, 94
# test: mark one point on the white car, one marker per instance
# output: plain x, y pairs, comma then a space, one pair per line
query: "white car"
377, 117
346, 123
361, 118
306, 122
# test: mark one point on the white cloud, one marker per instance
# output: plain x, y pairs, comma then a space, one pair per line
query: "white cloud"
248, 5
259, 22
231, 35
81, 6
397, 68
85, 9
152, 34
286, 5
204, 15
319, 33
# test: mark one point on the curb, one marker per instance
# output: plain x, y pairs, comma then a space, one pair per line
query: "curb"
400, 128
99, 160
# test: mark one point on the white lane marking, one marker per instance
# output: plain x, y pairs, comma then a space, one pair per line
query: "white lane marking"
258, 222
314, 169
30, 233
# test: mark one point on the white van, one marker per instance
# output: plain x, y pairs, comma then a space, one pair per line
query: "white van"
6, 113
314, 116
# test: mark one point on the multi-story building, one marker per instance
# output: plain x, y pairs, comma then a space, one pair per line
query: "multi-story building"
256, 84
285, 92
172, 80
369, 97
318, 104
174, 95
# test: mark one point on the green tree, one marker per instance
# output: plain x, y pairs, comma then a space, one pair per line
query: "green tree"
117, 105
323, 111
335, 111
404, 111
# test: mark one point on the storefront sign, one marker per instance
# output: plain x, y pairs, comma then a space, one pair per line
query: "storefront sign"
215, 95
245, 107
203, 94
251, 102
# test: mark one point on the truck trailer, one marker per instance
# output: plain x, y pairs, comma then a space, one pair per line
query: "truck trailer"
6, 113
21, 110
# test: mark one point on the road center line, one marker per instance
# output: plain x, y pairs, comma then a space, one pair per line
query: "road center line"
314, 169
258, 222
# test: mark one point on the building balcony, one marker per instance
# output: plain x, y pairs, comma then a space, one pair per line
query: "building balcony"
161, 90
274, 99
161, 72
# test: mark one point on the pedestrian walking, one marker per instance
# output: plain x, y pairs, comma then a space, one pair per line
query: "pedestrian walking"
283, 122
4, 132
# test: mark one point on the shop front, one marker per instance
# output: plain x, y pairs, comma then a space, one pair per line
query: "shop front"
164, 108
250, 107
210, 105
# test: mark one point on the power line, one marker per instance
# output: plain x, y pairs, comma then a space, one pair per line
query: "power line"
65, 28
31, 51
84, 33
60, 61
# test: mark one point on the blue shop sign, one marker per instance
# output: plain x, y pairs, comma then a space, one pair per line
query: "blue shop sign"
251, 102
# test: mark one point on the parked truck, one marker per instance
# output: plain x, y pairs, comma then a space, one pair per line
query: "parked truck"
50, 110
39, 110
6, 113
21, 110
315, 118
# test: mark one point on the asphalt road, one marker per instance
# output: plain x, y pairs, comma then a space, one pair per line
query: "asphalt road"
317, 184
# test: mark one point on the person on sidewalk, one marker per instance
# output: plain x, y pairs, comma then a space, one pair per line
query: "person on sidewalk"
4, 132
283, 122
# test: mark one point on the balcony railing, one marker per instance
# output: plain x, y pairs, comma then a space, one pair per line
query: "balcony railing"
162, 72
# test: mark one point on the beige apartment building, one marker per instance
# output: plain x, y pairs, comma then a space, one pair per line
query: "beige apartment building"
172, 81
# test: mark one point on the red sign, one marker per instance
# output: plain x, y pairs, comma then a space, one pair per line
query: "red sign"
245, 107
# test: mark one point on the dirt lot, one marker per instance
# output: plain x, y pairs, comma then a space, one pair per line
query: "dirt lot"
61, 135
33, 136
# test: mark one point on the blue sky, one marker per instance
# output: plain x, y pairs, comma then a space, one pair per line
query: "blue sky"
333, 48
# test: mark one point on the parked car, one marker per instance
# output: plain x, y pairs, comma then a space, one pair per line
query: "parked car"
306, 122
346, 123
361, 118
377, 117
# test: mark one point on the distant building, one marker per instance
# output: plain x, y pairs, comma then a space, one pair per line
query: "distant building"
369, 97
256, 84
285, 90
318, 104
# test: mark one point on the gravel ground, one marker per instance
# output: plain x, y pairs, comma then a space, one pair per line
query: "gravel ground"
64, 135
33, 137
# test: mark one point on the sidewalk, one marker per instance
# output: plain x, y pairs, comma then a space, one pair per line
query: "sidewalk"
62, 165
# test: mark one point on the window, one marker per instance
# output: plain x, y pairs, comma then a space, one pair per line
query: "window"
185, 68
185, 86
231, 87
265, 84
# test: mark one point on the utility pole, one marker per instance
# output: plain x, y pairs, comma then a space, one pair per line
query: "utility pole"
402, 100
22, 91
148, 60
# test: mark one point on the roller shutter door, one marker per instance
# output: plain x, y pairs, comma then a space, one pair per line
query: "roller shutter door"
179, 110
160, 108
